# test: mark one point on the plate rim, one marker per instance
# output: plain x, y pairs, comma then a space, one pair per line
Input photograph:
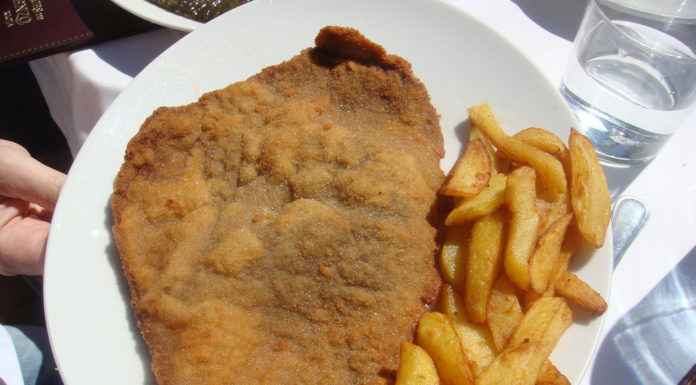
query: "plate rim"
157, 15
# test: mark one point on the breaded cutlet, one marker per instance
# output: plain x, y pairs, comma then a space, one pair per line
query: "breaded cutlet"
277, 231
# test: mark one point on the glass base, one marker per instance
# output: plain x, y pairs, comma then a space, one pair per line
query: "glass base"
616, 141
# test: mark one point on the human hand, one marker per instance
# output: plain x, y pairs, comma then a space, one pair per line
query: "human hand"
28, 194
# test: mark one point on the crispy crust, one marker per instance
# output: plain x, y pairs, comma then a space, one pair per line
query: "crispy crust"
192, 175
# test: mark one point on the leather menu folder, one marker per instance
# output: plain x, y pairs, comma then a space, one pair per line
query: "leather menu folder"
30, 29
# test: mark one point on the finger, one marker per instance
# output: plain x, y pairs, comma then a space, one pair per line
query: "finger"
25, 178
11, 208
39, 212
6, 145
23, 246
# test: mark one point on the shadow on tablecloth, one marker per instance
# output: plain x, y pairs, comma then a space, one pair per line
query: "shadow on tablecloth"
130, 55
560, 17
654, 343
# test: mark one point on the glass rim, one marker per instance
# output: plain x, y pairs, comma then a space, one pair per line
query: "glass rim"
598, 7
657, 15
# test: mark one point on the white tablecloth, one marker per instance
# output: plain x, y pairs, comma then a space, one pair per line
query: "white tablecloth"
79, 86
9, 365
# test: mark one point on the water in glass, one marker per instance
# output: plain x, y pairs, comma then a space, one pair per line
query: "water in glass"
631, 79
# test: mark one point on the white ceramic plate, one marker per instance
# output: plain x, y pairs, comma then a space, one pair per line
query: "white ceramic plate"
157, 15
460, 60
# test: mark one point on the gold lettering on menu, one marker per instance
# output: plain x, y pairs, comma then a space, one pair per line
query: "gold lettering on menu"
9, 21
25, 12
37, 8
22, 14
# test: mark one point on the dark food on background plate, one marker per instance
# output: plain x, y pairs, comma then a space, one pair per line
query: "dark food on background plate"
277, 231
199, 10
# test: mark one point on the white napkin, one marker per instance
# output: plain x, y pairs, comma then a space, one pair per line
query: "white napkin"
79, 86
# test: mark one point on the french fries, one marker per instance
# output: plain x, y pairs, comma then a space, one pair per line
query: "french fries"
486, 202
577, 291
477, 344
520, 197
530, 345
437, 336
475, 134
544, 322
545, 257
452, 253
512, 366
545, 141
503, 313
570, 245
498, 164
507, 252
550, 212
483, 264
544, 210
589, 193
451, 304
476, 340
415, 367
549, 375
550, 170
527, 298
471, 173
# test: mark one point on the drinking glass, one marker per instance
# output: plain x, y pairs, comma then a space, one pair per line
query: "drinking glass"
631, 78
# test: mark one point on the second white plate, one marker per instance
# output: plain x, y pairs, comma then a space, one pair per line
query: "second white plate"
157, 15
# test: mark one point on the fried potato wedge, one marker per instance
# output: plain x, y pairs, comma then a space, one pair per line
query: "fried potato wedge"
451, 303
453, 254
475, 134
513, 366
545, 141
543, 209
477, 344
550, 375
578, 292
516, 364
550, 212
476, 340
520, 197
558, 209
415, 367
545, 322
589, 193
503, 313
483, 264
568, 248
545, 258
498, 163
486, 202
437, 336
530, 345
527, 298
471, 173
502, 163
551, 173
